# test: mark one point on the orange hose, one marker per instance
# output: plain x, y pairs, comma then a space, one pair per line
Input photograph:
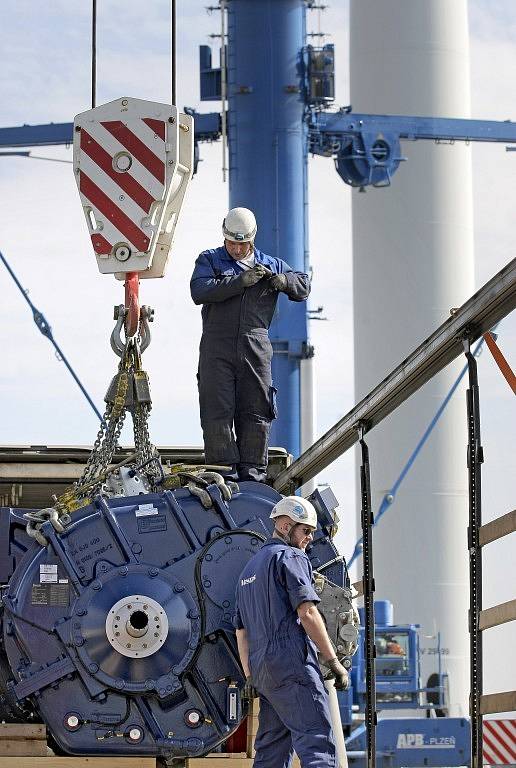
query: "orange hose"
500, 360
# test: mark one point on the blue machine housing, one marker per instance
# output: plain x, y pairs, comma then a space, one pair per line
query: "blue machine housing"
59, 657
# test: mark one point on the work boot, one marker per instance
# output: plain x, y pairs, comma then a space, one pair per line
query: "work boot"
251, 472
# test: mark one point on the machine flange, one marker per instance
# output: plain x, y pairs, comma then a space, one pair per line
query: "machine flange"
121, 661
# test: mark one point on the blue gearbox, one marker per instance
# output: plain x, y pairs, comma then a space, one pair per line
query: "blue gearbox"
118, 633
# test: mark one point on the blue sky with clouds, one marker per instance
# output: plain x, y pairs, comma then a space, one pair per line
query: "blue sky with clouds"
45, 76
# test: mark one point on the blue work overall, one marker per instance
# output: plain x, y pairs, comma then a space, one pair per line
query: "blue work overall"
235, 355
294, 711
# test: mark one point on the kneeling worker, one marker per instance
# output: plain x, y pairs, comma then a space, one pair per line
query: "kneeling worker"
238, 286
279, 631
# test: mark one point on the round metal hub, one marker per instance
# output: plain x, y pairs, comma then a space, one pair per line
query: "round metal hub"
122, 161
137, 626
122, 251
128, 661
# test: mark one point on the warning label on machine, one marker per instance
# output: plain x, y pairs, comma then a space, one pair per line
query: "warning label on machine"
150, 524
50, 594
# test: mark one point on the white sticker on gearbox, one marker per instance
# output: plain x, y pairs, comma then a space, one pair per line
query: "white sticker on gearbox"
48, 568
146, 509
48, 573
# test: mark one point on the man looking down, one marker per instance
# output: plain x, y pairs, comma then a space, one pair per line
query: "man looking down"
238, 286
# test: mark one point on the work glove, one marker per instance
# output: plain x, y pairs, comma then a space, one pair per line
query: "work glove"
278, 282
251, 276
340, 674
249, 692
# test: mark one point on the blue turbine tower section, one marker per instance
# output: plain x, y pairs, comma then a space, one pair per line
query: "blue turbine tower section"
267, 138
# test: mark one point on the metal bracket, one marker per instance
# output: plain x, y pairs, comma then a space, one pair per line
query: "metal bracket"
475, 459
362, 427
46, 676
367, 520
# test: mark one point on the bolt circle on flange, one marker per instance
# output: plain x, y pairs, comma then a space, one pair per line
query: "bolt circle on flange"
147, 664
135, 631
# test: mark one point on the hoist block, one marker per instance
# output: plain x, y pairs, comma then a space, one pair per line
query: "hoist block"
118, 634
133, 161
369, 158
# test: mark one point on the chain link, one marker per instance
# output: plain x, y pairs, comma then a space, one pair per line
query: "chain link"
145, 457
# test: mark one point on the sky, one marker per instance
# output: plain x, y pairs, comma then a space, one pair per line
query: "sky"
45, 77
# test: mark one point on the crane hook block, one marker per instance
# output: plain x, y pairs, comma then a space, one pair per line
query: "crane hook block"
133, 160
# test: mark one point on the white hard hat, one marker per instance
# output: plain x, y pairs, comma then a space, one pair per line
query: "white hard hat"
239, 225
298, 509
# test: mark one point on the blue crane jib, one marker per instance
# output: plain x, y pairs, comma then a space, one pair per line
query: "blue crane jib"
367, 148
207, 128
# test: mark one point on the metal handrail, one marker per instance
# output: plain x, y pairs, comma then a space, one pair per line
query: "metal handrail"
494, 301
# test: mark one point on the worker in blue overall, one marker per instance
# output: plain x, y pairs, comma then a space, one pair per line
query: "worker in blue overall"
238, 286
279, 631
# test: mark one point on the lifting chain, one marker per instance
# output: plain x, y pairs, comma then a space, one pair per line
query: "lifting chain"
142, 471
197, 479
128, 391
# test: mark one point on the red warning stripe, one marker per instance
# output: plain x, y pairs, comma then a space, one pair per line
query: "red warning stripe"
487, 758
101, 245
124, 180
499, 731
158, 126
137, 148
510, 740
501, 759
111, 211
